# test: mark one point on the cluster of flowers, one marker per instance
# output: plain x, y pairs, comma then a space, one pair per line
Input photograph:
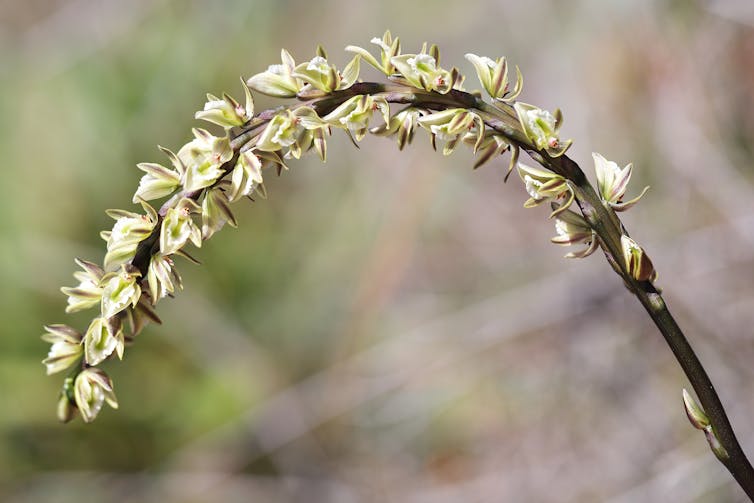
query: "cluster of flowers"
209, 173
612, 181
138, 268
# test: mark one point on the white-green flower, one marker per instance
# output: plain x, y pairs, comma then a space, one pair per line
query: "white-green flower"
282, 131
65, 350
91, 390
246, 176
493, 76
452, 125
541, 127
162, 277
216, 212
127, 232
612, 182
389, 48
88, 293
278, 80
158, 182
402, 125
178, 227
421, 71
573, 229
103, 337
203, 158
543, 185
119, 290
226, 111
355, 114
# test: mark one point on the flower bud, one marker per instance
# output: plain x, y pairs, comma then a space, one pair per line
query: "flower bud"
637, 262
700, 421
66, 409
91, 389
695, 413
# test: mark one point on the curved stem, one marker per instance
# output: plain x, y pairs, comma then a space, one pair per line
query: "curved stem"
609, 228
735, 460
502, 118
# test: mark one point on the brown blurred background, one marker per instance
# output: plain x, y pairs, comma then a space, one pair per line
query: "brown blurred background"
386, 327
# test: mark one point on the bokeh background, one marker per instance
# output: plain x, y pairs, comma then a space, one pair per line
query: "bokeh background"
386, 327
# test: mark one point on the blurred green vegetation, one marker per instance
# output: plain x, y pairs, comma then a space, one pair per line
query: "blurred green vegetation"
387, 326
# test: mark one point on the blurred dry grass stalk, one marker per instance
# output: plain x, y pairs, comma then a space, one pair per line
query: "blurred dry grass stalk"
370, 335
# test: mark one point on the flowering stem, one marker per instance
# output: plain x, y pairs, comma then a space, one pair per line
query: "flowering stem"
200, 184
603, 220
609, 229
